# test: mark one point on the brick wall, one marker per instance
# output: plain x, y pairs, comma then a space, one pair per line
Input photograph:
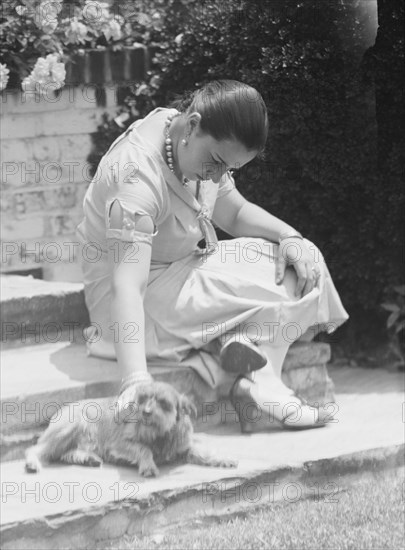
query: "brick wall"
45, 142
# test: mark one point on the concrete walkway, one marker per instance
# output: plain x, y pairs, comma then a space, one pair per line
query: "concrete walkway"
70, 505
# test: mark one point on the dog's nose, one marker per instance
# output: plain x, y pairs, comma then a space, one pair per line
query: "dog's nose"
147, 412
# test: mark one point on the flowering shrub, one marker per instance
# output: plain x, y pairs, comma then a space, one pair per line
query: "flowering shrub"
4, 72
47, 71
37, 38
396, 322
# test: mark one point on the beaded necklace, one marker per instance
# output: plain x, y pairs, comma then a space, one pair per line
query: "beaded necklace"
169, 152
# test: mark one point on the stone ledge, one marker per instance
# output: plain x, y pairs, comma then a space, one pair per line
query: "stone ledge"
24, 300
302, 354
170, 501
64, 373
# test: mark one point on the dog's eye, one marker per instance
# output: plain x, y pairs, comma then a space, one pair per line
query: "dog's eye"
141, 399
166, 405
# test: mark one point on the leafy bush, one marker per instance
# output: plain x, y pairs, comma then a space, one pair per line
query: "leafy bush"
396, 322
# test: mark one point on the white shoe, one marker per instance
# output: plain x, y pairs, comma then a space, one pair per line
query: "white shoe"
292, 411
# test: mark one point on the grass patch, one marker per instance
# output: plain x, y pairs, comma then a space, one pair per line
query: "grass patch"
368, 514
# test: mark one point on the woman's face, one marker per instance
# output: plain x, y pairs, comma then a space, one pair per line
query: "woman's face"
206, 158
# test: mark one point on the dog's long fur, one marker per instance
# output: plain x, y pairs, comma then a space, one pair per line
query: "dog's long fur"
154, 428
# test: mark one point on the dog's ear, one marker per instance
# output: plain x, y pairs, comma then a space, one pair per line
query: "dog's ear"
186, 406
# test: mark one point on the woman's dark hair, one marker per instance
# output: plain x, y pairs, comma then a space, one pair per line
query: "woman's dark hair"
229, 110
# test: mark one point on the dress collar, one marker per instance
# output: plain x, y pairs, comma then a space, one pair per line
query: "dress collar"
173, 181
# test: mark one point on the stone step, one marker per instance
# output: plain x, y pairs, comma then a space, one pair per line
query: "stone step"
76, 507
38, 379
13, 445
34, 310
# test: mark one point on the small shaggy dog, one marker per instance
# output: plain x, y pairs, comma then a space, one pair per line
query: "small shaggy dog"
154, 428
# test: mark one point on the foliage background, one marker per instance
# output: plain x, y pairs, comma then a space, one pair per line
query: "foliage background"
334, 160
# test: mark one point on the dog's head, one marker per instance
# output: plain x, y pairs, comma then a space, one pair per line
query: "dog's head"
154, 408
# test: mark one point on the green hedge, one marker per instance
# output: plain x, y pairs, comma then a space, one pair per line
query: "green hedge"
320, 170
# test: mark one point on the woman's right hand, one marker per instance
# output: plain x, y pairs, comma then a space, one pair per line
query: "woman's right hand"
125, 405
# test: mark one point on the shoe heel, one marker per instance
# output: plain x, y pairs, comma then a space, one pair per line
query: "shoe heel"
239, 400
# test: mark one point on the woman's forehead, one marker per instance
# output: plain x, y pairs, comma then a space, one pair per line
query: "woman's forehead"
231, 152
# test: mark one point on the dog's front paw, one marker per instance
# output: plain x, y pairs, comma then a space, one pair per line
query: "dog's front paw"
32, 466
148, 469
93, 460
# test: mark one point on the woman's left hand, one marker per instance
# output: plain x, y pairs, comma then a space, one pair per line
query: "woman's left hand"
293, 251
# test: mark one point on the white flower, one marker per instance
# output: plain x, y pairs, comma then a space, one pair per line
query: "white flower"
48, 72
112, 30
178, 40
21, 10
155, 81
96, 13
121, 119
4, 71
141, 89
76, 33
46, 15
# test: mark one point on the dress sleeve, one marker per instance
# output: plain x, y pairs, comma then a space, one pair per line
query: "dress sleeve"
226, 184
136, 182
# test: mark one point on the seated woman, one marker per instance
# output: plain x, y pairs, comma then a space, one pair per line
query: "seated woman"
228, 310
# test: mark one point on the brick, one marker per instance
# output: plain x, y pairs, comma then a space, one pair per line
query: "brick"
28, 203
75, 147
8, 101
64, 224
46, 148
20, 230
14, 126
84, 96
67, 122
47, 252
83, 121
19, 174
12, 174
29, 102
58, 256
44, 199
15, 150
63, 271
45, 174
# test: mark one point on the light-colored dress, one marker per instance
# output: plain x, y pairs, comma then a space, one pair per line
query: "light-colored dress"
194, 296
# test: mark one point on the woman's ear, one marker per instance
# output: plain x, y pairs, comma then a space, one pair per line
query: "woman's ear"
193, 122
